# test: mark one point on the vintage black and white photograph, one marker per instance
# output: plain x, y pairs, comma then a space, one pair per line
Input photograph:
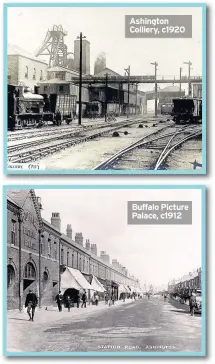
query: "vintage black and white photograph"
105, 271
106, 89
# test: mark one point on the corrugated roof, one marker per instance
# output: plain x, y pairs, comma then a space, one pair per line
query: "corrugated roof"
13, 50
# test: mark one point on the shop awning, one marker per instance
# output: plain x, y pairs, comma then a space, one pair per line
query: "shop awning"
73, 278
97, 286
123, 288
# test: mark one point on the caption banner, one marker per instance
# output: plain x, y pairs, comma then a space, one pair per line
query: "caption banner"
26, 166
158, 26
159, 212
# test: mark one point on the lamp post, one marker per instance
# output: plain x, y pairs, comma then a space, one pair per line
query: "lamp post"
128, 71
80, 80
189, 84
156, 89
180, 80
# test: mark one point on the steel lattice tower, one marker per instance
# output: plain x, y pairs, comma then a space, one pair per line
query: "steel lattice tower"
54, 46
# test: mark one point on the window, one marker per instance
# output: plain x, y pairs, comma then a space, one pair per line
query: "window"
34, 74
41, 75
49, 247
61, 88
30, 271
26, 72
72, 260
41, 245
55, 250
13, 232
10, 275
84, 265
62, 257
45, 88
67, 259
45, 279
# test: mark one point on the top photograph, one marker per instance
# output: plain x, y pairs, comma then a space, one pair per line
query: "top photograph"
117, 89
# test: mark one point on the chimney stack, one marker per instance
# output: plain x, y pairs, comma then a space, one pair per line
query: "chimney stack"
105, 257
87, 246
79, 238
55, 220
69, 231
94, 249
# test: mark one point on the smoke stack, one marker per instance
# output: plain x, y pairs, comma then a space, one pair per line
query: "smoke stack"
94, 249
85, 55
79, 238
56, 220
69, 231
87, 246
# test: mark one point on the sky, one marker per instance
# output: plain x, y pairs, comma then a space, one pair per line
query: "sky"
104, 28
154, 254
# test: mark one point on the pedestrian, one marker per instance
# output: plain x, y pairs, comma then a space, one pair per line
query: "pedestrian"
59, 300
113, 298
31, 303
192, 303
84, 300
96, 299
78, 300
68, 303
106, 298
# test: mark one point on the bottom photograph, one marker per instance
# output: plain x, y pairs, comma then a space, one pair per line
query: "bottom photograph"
104, 270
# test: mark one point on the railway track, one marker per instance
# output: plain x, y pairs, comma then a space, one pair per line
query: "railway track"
30, 151
46, 131
153, 143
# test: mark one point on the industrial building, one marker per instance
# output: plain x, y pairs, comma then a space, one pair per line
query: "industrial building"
38, 253
24, 69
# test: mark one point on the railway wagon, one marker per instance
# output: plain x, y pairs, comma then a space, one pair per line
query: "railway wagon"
166, 109
25, 109
187, 110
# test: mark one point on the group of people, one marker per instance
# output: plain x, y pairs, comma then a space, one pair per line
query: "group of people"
68, 301
110, 299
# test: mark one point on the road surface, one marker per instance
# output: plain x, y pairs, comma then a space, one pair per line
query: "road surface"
142, 325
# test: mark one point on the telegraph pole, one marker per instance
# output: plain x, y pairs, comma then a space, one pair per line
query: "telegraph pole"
128, 71
180, 80
189, 84
80, 81
106, 90
156, 89
136, 99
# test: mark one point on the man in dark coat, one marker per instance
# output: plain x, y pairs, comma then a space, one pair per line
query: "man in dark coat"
31, 303
59, 299
192, 304
84, 300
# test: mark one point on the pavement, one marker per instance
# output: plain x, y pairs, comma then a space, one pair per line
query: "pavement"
143, 325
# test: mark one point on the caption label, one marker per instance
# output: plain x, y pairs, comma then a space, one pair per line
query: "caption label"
159, 212
26, 166
158, 26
